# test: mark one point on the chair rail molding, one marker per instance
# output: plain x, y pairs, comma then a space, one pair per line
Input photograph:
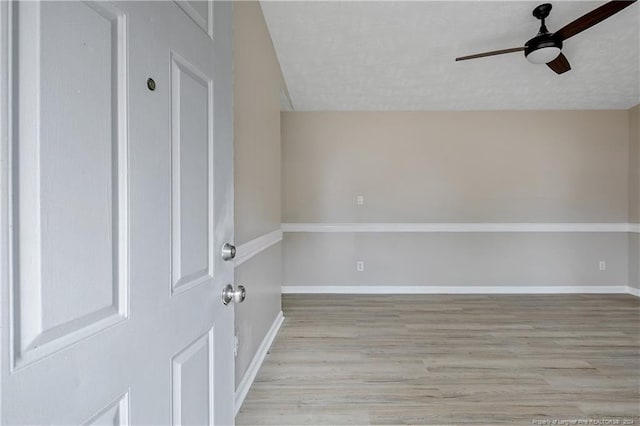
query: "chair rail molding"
461, 227
251, 248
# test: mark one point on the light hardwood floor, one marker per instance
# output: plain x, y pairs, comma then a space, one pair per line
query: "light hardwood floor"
440, 359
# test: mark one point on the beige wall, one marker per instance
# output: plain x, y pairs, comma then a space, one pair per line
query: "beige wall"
553, 166
257, 85
528, 166
634, 195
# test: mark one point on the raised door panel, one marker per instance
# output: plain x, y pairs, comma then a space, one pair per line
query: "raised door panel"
192, 383
114, 414
70, 176
201, 12
191, 198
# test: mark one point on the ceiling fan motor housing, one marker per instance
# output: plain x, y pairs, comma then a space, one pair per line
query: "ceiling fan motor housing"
542, 49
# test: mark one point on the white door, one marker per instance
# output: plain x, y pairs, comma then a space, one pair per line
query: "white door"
115, 201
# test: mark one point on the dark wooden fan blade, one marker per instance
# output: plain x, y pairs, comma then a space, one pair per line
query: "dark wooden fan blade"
592, 18
493, 53
560, 64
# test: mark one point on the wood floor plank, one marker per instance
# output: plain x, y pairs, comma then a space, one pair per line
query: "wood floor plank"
450, 359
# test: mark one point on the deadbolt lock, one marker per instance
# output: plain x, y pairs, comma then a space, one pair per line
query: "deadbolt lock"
228, 251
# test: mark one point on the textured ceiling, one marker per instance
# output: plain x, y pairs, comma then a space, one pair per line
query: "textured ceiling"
390, 55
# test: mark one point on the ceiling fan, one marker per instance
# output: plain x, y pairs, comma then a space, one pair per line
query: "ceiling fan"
546, 47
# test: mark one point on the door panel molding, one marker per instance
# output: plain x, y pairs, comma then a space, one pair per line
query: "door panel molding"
115, 413
183, 180
48, 309
203, 20
179, 394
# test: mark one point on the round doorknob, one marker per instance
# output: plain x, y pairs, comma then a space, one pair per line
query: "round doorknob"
228, 251
230, 294
240, 294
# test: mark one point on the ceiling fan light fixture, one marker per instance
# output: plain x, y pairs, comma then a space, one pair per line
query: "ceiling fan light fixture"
542, 49
544, 55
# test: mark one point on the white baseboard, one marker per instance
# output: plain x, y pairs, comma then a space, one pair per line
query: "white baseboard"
372, 289
256, 362
634, 291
